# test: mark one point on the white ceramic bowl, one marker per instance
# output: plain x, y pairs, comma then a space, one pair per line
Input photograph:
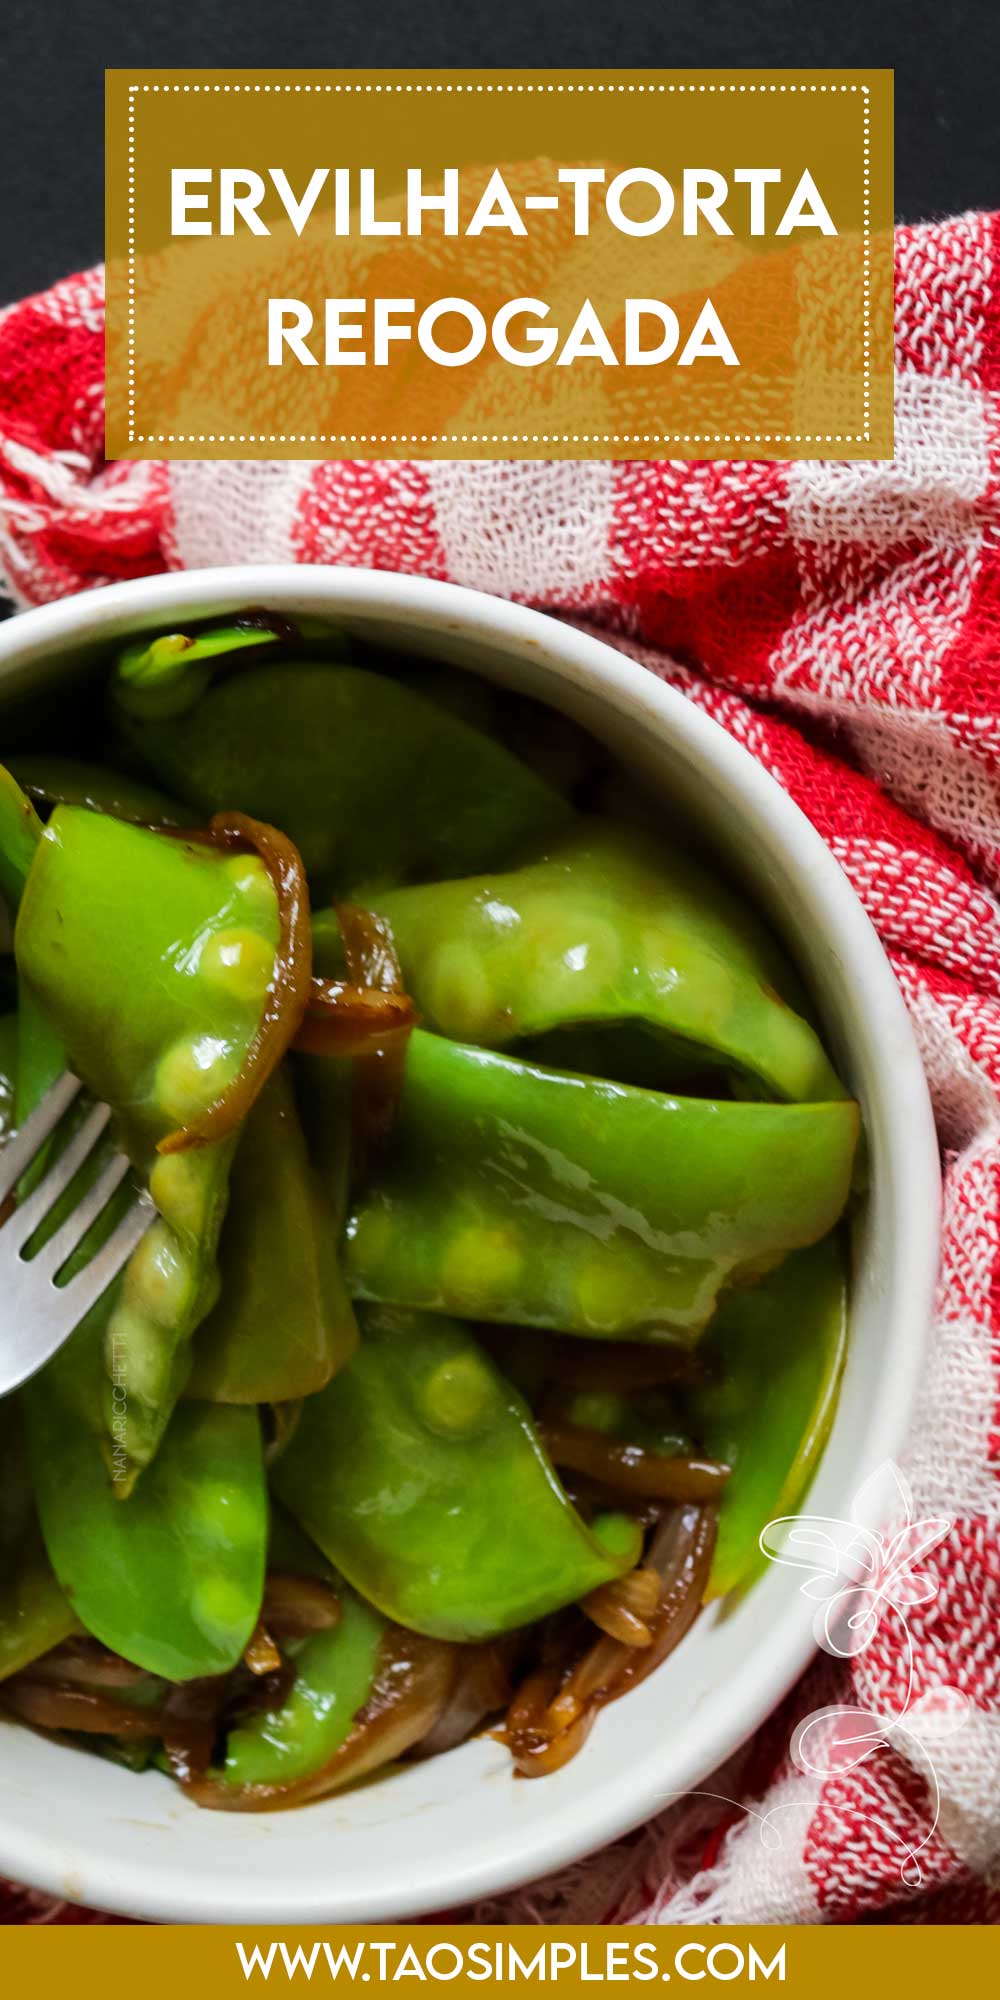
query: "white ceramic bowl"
457, 1827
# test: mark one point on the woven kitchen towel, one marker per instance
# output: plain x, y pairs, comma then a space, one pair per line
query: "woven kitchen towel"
842, 622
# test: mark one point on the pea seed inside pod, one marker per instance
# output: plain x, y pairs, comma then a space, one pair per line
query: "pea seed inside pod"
603, 1294
480, 1267
459, 994
223, 1511
191, 1074
669, 964
239, 963
460, 1397
251, 880
216, 1603
557, 951
178, 1185
158, 1277
134, 1354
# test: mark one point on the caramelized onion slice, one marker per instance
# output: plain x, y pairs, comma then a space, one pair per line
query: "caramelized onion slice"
624, 1608
288, 993
295, 1606
58, 1705
482, 1688
346, 1020
630, 1468
552, 1716
369, 949
379, 1069
190, 1725
84, 1662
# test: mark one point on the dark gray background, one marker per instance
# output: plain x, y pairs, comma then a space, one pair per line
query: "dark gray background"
946, 55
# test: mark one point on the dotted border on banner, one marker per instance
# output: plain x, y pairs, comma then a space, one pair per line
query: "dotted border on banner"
489, 89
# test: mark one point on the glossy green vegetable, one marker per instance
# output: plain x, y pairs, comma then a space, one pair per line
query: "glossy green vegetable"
777, 1351
614, 1120
515, 1193
283, 1322
418, 1472
34, 1613
334, 1675
372, 782
8, 1071
65, 781
610, 928
173, 1579
149, 959
160, 677
20, 832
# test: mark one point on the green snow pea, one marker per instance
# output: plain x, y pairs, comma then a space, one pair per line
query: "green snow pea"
35, 1615
532, 1196
54, 781
372, 781
283, 1321
419, 1473
172, 1579
8, 1071
34, 1056
779, 1352
39, 1058
20, 832
161, 677
334, 1675
149, 959
609, 928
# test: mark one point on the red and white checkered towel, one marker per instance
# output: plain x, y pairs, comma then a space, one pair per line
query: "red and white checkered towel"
842, 621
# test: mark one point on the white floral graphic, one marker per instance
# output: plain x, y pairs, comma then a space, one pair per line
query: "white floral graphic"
861, 1572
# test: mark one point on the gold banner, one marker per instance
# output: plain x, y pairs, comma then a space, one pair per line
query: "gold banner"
501, 264
807, 1962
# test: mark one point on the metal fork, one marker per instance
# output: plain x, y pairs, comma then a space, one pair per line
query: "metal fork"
36, 1314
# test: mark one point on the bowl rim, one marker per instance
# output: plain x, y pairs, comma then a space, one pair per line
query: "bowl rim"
636, 694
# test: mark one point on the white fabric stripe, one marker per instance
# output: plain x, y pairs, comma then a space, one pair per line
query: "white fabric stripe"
761, 1876
534, 530
862, 634
967, 1767
236, 513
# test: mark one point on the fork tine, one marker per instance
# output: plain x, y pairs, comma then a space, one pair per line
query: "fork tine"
40, 1317
25, 1220
70, 1233
85, 1289
17, 1155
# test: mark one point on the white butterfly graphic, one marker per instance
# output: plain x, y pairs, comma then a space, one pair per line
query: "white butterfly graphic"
861, 1571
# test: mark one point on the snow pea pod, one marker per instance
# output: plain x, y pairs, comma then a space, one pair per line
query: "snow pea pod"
163, 676
520, 1194
20, 832
419, 1473
778, 1352
53, 781
609, 928
283, 1321
372, 781
172, 1579
149, 960
8, 1071
334, 1675
35, 1614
